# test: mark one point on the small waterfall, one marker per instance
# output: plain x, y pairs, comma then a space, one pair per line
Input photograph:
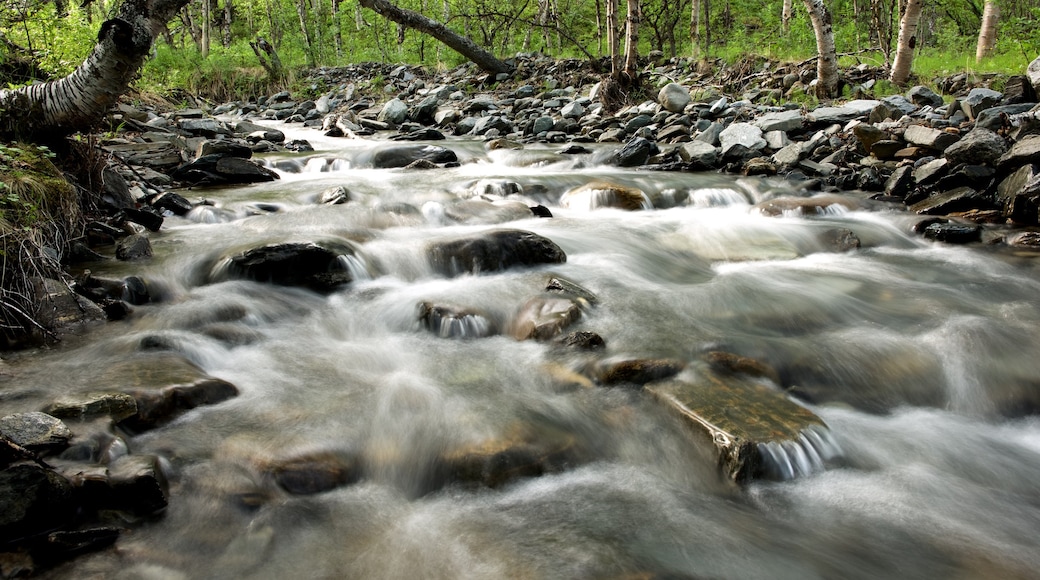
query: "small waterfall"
806, 455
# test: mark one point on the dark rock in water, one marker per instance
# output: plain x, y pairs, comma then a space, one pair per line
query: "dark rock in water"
144, 216
33, 500
138, 484
728, 363
334, 195
754, 431
219, 169
638, 372
426, 134
156, 407
61, 308
35, 431
544, 318
171, 202
135, 247
136, 291
599, 194
89, 406
404, 155
64, 544
978, 147
223, 147
115, 191
635, 152
953, 233
294, 264
314, 472
524, 452
493, 251
960, 199
541, 211
451, 322
978, 177
582, 340
562, 286
299, 146
886, 148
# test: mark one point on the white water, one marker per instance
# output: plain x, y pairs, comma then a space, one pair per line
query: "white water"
913, 353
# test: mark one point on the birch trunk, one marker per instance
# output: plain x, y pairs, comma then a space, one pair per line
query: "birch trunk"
635, 16
459, 43
907, 41
612, 36
988, 30
786, 15
827, 57
76, 102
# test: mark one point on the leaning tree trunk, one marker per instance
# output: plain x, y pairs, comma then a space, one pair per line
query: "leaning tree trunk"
76, 102
827, 57
906, 43
457, 42
987, 31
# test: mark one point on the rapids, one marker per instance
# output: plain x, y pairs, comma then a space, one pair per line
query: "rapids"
920, 357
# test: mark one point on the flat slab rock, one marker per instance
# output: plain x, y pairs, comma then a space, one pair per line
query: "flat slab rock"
756, 430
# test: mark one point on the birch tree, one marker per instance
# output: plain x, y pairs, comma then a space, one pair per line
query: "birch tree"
827, 58
988, 30
906, 43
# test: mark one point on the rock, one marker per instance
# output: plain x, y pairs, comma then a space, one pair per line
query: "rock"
1019, 195
815, 205
754, 431
223, 147
220, 169
452, 322
928, 137
572, 110
638, 372
135, 247
790, 155
33, 500
634, 153
894, 107
521, 452
744, 134
867, 134
930, 172
90, 406
115, 191
1018, 90
486, 125
203, 127
563, 287
544, 318
1022, 152
311, 265
493, 251
146, 216
781, 121
960, 199
35, 431
727, 364
394, 111
254, 132
161, 157
978, 147
673, 97
600, 194
156, 407
316, 472
840, 240
334, 195
994, 117
60, 308
843, 114
979, 100
582, 340
404, 155
425, 111
699, 153
171, 202
923, 96
139, 484
1033, 73
952, 233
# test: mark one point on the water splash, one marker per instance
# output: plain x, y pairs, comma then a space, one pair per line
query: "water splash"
802, 457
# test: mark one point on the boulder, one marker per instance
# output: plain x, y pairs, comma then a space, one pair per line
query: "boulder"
394, 111
673, 97
493, 251
138, 484
448, 321
978, 100
33, 500
403, 155
817, 204
572, 110
169, 201
634, 153
953, 232
638, 372
156, 407
334, 195
1019, 195
922, 96
1027, 150
753, 430
90, 406
1033, 73
601, 194
781, 121
959, 199
221, 169
843, 114
315, 472
308, 264
744, 134
699, 154
35, 431
224, 147
928, 137
978, 147
544, 318
135, 247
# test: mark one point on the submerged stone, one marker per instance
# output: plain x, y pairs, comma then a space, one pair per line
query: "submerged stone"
309, 264
601, 194
543, 318
638, 372
452, 322
756, 431
314, 472
493, 251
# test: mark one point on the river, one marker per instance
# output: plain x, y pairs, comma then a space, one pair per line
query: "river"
921, 358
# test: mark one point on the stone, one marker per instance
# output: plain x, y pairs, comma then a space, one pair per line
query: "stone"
225, 147
886, 148
930, 172
90, 406
673, 97
867, 134
394, 111
754, 431
315, 472
843, 114
334, 195
542, 124
171, 202
776, 140
544, 318
572, 110
403, 155
638, 372
952, 232
994, 117
893, 108
923, 96
255, 132
115, 191
61, 308
138, 484
308, 264
960, 199
815, 205
33, 500
782, 121
1019, 195
711, 134
928, 137
978, 100
744, 134
519, 453
1026, 150
1018, 90
699, 153
424, 112
728, 364
790, 155
203, 127
220, 169
493, 251
448, 321
486, 125
635, 152
582, 340
299, 146
602, 194
156, 407
35, 431
135, 247
979, 147
1033, 74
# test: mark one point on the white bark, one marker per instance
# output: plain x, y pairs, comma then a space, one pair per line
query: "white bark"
612, 36
907, 41
988, 30
827, 57
635, 16
786, 15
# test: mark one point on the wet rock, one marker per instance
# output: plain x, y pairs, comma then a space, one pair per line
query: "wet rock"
978, 147
223, 147
601, 194
299, 146
634, 153
805, 205
334, 196
699, 153
452, 322
741, 134
582, 340
564, 287
33, 500
930, 172
928, 137
314, 472
638, 372
310, 265
923, 96
171, 202
62, 309
543, 318
959, 199
728, 363
35, 431
156, 407
1027, 150
135, 247
755, 431
1019, 195
493, 251
146, 216
952, 232
138, 484
404, 155
520, 453
759, 166
220, 169
840, 240
979, 100
673, 97
90, 406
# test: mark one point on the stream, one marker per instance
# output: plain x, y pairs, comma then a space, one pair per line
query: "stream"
921, 358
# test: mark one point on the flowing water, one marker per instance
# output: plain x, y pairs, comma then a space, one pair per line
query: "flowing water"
921, 358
